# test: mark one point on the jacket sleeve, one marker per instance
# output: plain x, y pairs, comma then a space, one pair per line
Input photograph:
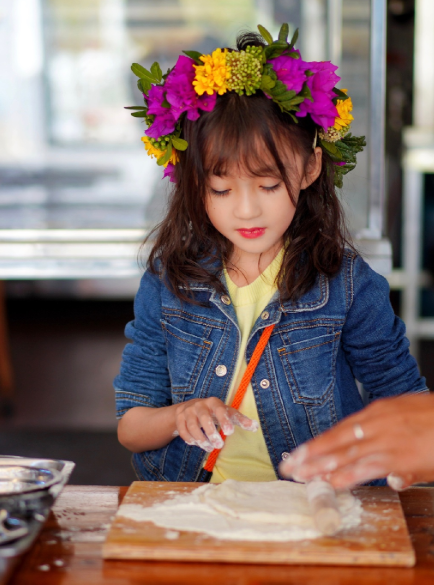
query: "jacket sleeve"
374, 338
144, 378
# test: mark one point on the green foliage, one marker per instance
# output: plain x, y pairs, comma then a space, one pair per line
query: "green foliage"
179, 143
139, 70
281, 45
341, 95
144, 73
305, 92
141, 114
265, 34
279, 89
294, 39
344, 151
267, 83
287, 100
332, 150
164, 159
144, 85
156, 71
295, 101
195, 55
283, 33
339, 175
287, 96
355, 143
275, 50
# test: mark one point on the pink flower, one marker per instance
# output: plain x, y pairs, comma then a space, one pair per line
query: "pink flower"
322, 110
291, 71
164, 122
169, 172
179, 92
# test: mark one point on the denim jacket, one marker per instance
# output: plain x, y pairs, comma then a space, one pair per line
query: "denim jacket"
343, 329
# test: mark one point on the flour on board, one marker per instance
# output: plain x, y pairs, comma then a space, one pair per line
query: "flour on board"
254, 511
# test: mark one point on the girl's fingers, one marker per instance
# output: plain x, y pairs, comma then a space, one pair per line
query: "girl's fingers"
196, 423
195, 431
244, 422
209, 428
185, 435
221, 418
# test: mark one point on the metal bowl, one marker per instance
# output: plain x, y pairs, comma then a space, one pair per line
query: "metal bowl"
21, 479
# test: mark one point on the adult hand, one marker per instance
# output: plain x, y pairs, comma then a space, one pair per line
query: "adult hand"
392, 437
196, 422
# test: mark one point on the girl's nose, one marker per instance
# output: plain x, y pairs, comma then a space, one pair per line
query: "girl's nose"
247, 206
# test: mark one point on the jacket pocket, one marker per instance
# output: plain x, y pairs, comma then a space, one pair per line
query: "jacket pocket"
309, 367
186, 356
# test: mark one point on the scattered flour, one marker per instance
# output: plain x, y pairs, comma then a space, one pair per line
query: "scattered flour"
263, 511
172, 534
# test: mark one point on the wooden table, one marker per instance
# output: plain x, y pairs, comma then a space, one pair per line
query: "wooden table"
68, 552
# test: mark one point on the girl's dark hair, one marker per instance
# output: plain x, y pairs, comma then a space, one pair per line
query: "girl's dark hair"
236, 132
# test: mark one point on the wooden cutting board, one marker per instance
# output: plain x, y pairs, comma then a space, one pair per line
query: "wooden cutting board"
381, 539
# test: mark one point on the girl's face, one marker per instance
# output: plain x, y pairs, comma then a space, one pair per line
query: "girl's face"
254, 212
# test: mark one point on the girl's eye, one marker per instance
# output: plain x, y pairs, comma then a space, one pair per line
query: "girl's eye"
219, 193
272, 188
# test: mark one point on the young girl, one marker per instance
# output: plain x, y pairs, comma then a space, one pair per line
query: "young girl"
251, 259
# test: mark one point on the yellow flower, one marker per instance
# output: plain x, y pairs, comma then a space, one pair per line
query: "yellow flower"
344, 107
212, 76
157, 153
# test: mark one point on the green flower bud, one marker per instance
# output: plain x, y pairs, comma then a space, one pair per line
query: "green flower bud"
246, 70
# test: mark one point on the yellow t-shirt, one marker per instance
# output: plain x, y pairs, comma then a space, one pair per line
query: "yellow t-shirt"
244, 456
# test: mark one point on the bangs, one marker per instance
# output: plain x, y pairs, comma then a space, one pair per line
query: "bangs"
244, 136
243, 152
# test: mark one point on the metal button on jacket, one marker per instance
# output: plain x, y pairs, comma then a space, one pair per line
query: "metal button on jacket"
264, 383
225, 300
265, 315
285, 455
221, 370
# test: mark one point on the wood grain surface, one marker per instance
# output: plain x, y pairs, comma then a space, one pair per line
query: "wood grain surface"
381, 539
69, 552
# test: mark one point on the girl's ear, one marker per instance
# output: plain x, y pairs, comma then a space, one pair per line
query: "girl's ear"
313, 168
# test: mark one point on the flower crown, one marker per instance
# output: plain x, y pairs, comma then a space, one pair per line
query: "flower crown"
300, 88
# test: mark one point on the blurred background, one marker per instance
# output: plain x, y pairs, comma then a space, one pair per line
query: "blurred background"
78, 193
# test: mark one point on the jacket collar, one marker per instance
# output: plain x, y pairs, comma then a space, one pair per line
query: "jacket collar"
316, 298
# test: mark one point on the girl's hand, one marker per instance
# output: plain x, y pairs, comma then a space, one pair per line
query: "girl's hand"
196, 422
392, 437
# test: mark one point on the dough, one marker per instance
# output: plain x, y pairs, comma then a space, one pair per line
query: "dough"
275, 511
275, 502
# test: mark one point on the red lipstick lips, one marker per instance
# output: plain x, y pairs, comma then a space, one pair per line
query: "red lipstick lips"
251, 233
